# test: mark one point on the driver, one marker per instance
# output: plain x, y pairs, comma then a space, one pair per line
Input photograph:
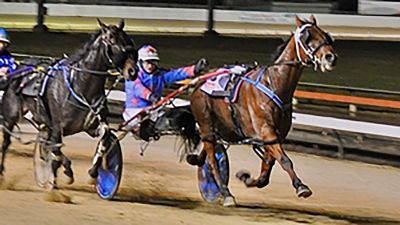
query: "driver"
147, 88
7, 63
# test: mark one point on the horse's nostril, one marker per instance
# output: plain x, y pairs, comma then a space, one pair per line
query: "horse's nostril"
132, 73
329, 57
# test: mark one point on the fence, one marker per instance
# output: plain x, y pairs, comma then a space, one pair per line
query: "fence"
330, 12
325, 135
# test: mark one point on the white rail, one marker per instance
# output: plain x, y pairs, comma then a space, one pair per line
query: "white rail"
308, 120
315, 121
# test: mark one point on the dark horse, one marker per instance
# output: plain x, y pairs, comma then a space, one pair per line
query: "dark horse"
263, 117
72, 97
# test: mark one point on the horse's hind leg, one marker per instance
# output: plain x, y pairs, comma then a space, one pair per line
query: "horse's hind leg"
197, 160
229, 200
263, 179
11, 111
6, 143
279, 154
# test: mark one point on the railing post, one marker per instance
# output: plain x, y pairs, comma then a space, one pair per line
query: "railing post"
42, 11
340, 146
210, 23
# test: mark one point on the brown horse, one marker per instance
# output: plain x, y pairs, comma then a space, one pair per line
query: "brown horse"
262, 115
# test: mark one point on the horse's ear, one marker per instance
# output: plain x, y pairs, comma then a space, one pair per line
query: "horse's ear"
101, 24
313, 19
299, 22
121, 24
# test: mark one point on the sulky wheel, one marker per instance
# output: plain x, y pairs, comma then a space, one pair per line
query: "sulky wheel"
42, 163
110, 170
208, 187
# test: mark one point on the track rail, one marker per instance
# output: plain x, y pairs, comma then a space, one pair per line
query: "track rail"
342, 138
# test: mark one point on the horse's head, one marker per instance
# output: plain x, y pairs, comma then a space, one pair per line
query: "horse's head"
119, 49
314, 46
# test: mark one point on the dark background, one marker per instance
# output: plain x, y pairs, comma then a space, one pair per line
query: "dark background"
365, 64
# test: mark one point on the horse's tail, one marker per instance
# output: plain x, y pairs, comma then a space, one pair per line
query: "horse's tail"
188, 131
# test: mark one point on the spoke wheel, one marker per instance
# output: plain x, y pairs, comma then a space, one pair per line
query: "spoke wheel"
42, 163
208, 187
110, 170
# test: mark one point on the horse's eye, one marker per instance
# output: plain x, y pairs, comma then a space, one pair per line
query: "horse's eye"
329, 38
305, 37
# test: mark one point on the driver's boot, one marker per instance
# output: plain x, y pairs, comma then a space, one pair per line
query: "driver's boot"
136, 132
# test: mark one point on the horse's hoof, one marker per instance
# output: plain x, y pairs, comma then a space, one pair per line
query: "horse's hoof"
69, 177
69, 180
93, 172
229, 201
243, 175
193, 160
303, 191
91, 180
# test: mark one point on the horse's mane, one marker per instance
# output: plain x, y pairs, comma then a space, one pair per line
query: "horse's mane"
280, 49
80, 53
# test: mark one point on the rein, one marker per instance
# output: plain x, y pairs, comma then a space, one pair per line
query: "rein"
169, 98
95, 108
95, 72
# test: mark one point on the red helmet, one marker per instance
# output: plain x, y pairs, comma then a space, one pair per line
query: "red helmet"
148, 52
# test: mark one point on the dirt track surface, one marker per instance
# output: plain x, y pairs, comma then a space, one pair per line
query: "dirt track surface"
157, 189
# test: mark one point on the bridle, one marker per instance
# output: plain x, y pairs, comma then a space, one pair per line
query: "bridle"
302, 41
123, 52
113, 59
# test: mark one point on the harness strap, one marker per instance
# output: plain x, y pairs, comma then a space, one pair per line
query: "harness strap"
235, 120
71, 90
258, 142
275, 98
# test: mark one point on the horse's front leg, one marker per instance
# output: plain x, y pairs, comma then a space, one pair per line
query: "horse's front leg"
229, 200
263, 179
58, 158
279, 154
103, 132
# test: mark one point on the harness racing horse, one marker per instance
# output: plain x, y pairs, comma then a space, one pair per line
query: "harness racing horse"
262, 115
72, 97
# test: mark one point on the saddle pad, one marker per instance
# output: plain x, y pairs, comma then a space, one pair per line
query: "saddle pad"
216, 86
30, 85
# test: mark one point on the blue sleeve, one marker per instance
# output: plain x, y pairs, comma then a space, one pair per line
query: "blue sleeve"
3, 61
135, 89
8, 61
171, 76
